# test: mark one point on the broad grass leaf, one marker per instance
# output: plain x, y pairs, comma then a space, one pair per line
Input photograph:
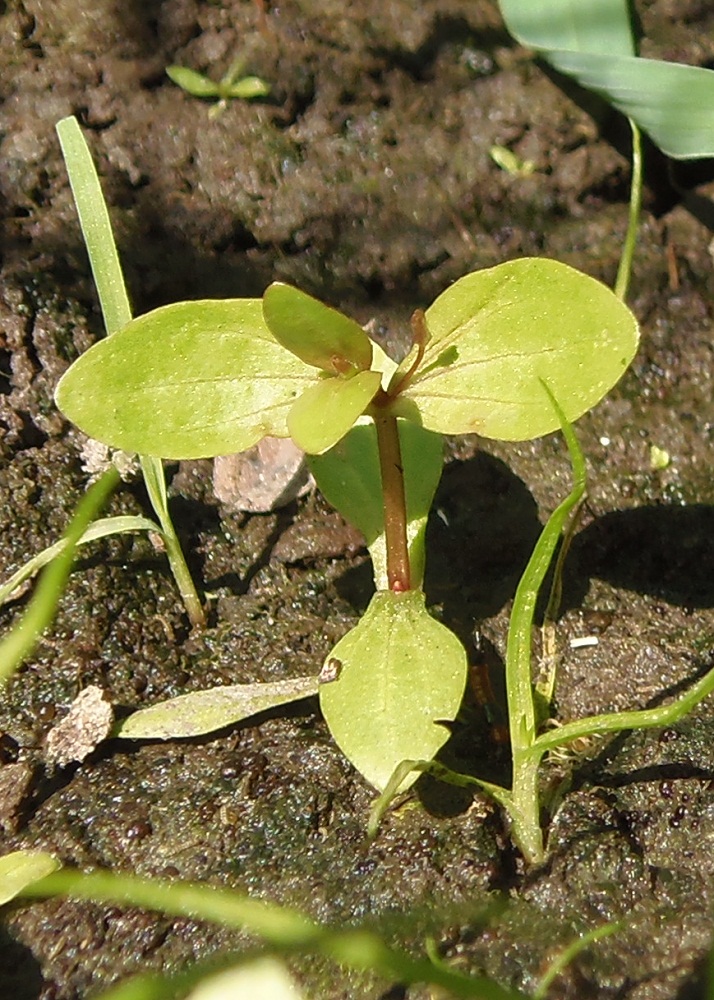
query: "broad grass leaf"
200, 712
401, 675
327, 409
316, 333
348, 476
497, 334
593, 43
188, 380
21, 868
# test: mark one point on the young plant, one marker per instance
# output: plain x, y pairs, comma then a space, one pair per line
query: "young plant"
489, 355
109, 281
232, 85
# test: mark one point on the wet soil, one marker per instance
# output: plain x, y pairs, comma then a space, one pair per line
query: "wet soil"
365, 179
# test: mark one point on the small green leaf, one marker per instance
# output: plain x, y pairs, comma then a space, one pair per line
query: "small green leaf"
188, 380
192, 82
497, 334
325, 412
266, 978
202, 712
401, 674
319, 335
22, 868
249, 87
348, 476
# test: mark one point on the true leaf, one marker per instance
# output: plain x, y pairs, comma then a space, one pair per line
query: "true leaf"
348, 476
316, 333
202, 712
498, 334
326, 410
189, 380
401, 675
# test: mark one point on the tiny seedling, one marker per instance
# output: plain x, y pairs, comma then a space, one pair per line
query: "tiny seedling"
232, 85
490, 355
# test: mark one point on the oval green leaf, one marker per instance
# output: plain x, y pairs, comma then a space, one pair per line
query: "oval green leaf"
325, 412
188, 380
21, 868
498, 334
401, 675
316, 333
348, 477
195, 84
200, 712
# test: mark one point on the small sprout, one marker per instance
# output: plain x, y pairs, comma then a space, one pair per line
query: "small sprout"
659, 458
509, 161
231, 85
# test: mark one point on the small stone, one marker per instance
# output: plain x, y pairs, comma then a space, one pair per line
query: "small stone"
88, 722
15, 780
262, 479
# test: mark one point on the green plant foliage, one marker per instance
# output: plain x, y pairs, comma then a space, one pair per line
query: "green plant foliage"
188, 380
24, 634
195, 84
348, 477
401, 674
497, 334
325, 411
593, 43
21, 868
317, 334
205, 711
198, 85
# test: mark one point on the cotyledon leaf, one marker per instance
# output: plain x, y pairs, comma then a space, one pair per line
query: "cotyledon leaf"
200, 712
400, 675
327, 409
188, 380
498, 334
321, 336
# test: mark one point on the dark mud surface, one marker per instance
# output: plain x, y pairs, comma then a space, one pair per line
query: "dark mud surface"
366, 179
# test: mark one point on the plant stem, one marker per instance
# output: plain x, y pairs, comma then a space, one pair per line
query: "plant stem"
624, 271
394, 499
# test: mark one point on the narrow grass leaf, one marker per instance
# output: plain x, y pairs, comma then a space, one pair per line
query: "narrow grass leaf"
592, 42
189, 380
202, 712
41, 610
401, 680
98, 529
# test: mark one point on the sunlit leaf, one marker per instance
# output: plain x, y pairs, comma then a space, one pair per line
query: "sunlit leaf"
263, 978
326, 410
202, 712
497, 334
188, 380
22, 868
400, 675
320, 335
348, 477
592, 42
248, 87
192, 82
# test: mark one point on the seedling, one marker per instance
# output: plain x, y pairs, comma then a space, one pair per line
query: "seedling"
490, 355
232, 85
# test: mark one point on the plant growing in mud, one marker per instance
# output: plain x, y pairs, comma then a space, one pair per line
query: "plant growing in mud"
491, 355
233, 85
